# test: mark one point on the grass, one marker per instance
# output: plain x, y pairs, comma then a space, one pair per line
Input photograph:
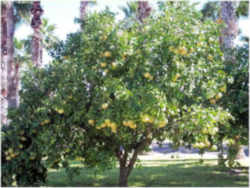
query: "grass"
155, 173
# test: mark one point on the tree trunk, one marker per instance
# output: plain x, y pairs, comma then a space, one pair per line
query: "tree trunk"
83, 8
83, 11
240, 154
229, 33
8, 68
123, 179
235, 152
4, 54
36, 46
126, 166
11, 67
221, 160
143, 10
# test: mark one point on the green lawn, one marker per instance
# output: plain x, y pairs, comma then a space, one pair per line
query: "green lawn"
153, 173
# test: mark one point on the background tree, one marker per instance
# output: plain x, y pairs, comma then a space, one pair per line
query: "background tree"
130, 12
83, 11
143, 10
48, 38
130, 9
211, 10
12, 15
228, 12
227, 38
83, 8
5, 8
230, 31
36, 11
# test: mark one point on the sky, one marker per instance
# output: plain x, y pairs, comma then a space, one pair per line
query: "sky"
62, 13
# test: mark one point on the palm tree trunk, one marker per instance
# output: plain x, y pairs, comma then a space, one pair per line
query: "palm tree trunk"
83, 8
143, 10
229, 33
83, 11
4, 54
36, 22
8, 68
11, 67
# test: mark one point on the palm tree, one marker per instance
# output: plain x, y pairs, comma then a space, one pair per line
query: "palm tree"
229, 33
130, 10
212, 10
7, 32
83, 11
227, 12
47, 36
12, 14
83, 8
143, 10
36, 22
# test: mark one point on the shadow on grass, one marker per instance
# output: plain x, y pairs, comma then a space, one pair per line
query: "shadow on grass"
172, 175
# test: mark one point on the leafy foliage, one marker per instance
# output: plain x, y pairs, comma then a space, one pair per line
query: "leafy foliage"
236, 98
113, 90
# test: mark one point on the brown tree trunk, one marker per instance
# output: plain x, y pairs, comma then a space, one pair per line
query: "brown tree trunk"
83, 8
83, 11
8, 68
240, 154
126, 166
123, 179
221, 160
143, 10
36, 22
4, 102
228, 36
229, 33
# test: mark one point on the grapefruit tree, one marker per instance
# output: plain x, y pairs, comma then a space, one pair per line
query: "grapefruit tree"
112, 90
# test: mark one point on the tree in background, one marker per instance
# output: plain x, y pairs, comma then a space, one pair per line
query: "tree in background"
23, 57
48, 38
83, 8
236, 100
83, 11
6, 12
211, 10
130, 9
12, 14
36, 22
131, 14
237, 62
230, 31
143, 10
